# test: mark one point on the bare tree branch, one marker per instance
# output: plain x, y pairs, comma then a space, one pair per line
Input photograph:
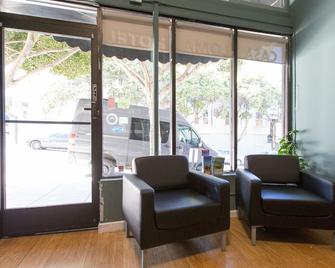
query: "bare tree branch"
163, 69
147, 89
164, 92
145, 72
13, 50
14, 42
244, 130
51, 65
189, 70
44, 52
131, 73
12, 54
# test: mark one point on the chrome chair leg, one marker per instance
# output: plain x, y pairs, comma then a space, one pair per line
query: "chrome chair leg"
253, 235
239, 214
128, 232
143, 259
224, 240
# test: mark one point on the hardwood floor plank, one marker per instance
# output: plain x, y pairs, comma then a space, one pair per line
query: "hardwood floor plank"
40, 253
71, 250
275, 249
14, 250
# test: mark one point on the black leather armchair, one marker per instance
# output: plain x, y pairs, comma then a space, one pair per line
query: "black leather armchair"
164, 202
272, 192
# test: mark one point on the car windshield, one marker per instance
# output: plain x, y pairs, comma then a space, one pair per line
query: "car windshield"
187, 135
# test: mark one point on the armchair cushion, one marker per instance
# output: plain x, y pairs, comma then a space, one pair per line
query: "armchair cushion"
183, 207
293, 201
274, 168
163, 172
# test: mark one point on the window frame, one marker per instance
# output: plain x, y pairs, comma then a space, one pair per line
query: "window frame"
144, 123
67, 28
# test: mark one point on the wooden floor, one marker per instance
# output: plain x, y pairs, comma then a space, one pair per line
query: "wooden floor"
275, 248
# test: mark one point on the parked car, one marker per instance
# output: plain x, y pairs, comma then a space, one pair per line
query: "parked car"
126, 135
57, 141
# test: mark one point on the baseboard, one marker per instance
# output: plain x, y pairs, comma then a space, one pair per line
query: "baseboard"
107, 227
117, 226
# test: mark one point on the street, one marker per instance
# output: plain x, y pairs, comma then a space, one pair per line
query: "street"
37, 178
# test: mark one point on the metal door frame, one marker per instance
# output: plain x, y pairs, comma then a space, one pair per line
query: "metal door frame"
15, 222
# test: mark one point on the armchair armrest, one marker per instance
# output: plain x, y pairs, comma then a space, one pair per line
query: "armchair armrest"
213, 187
249, 195
318, 185
138, 204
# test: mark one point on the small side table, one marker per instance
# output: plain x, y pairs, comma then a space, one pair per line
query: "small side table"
231, 177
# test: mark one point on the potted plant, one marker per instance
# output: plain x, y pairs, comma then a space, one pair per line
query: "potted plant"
288, 146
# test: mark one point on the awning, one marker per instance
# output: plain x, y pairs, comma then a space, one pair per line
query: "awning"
133, 54
129, 35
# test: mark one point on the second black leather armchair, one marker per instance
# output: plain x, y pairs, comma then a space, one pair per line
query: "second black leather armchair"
272, 192
164, 202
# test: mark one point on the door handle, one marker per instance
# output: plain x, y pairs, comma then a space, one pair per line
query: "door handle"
94, 102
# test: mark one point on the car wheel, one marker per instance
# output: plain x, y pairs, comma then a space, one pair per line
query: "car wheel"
36, 145
108, 168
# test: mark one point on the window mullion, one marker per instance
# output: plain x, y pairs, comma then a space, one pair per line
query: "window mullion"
234, 111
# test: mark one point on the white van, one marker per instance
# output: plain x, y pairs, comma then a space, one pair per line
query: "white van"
126, 134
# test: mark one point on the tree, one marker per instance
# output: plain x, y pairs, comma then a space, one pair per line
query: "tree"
256, 95
208, 85
28, 54
32, 53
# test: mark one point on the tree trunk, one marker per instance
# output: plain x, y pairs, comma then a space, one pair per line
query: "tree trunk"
244, 130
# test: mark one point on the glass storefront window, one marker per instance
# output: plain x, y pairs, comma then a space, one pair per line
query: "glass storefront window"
203, 92
127, 90
204, 58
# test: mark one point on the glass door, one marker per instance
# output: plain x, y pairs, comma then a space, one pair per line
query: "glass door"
48, 135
